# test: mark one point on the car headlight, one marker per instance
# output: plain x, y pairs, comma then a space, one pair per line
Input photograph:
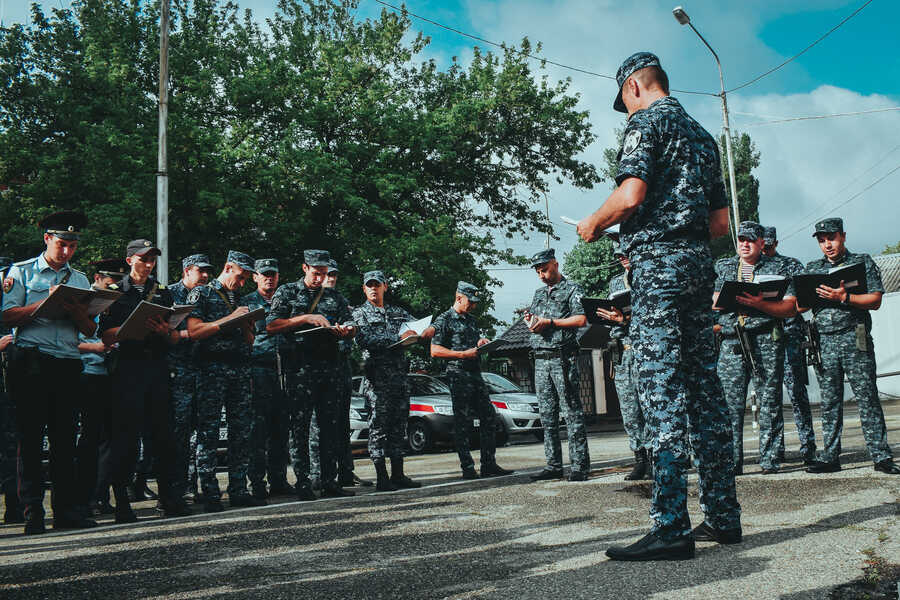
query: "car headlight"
443, 409
354, 414
520, 407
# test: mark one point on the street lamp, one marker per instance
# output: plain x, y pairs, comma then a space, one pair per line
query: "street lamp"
683, 18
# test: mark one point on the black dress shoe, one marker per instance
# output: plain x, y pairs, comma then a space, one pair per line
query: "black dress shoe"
494, 470
546, 474
362, 482
34, 524
809, 461
578, 476
824, 467
405, 483
177, 508
704, 532
305, 493
244, 500
104, 508
333, 490
259, 491
739, 470
213, 505
124, 514
13, 515
72, 519
887, 466
281, 488
651, 547
769, 471
469, 474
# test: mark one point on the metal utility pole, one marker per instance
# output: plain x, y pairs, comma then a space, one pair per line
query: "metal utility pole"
683, 18
162, 175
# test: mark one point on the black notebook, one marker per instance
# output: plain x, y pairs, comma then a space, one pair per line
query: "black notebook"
853, 276
620, 300
772, 288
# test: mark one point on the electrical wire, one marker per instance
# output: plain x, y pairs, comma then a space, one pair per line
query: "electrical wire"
810, 118
827, 33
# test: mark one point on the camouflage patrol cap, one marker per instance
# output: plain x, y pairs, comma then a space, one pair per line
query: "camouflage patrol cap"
374, 276
201, 261
5, 262
543, 257
468, 290
241, 259
316, 258
750, 230
831, 225
635, 62
770, 235
266, 265
65, 224
332, 266
617, 250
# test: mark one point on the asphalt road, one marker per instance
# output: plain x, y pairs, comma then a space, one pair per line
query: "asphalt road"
496, 538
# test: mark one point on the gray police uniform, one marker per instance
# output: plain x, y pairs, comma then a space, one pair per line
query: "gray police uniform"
556, 374
626, 376
44, 369
667, 242
847, 349
766, 336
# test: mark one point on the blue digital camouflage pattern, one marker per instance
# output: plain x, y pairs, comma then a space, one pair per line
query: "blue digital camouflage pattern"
559, 301
294, 299
679, 161
343, 454
184, 390
457, 331
635, 62
264, 343
616, 285
210, 306
830, 225
727, 270
840, 318
625, 375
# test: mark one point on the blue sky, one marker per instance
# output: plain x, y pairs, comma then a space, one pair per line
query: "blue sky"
808, 167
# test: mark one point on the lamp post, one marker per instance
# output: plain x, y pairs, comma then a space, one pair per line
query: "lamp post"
683, 18
162, 175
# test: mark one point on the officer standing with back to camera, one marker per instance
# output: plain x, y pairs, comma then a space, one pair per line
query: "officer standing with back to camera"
141, 384
311, 364
670, 200
44, 370
554, 315
12, 510
845, 335
796, 375
457, 339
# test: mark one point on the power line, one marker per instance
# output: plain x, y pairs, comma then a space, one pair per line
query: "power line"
829, 32
810, 118
406, 11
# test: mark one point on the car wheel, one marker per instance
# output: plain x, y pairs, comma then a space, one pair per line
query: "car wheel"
418, 436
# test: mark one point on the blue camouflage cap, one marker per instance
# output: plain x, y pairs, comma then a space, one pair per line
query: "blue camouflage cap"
750, 230
770, 235
266, 265
332, 266
468, 290
374, 276
200, 261
543, 257
617, 249
635, 62
316, 258
831, 225
242, 260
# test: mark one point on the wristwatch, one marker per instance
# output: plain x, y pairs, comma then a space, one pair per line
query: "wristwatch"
846, 301
552, 324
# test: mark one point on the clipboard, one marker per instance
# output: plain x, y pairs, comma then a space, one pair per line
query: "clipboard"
251, 317
772, 290
490, 346
612, 233
805, 284
418, 326
97, 301
135, 326
621, 300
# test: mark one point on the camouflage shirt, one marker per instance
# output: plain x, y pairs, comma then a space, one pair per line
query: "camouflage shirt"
378, 329
457, 331
727, 270
209, 306
790, 267
831, 320
556, 302
294, 299
619, 284
679, 161
264, 344
184, 349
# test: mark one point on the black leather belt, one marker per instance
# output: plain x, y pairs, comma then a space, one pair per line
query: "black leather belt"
547, 354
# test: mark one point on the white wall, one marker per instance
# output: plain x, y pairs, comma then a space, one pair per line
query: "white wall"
886, 333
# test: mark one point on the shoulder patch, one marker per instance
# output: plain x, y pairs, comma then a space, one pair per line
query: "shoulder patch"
194, 296
23, 263
8, 284
632, 140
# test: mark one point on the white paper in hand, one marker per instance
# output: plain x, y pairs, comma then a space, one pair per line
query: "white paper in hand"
417, 326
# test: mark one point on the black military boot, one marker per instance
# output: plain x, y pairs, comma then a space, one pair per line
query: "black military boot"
384, 482
641, 466
124, 514
140, 491
34, 520
398, 478
13, 512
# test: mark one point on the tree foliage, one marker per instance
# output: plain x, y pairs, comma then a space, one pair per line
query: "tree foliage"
592, 266
746, 158
322, 131
891, 249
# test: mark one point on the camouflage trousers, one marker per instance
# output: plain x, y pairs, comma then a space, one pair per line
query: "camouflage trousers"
342, 452
228, 384
387, 393
679, 391
269, 431
625, 376
184, 417
795, 378
735, 376
556, 381
470, 398
314, 386
840, 356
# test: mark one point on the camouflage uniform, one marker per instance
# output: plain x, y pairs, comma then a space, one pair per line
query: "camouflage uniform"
269, 433
223, 364
312, 372
556, 374
767, 343
667, 242
469, 393
184, 374
847, 349
626, 375
343, 452
385, 369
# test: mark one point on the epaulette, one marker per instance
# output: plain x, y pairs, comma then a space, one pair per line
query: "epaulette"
25, 262
77, 271
160, 286
112, 286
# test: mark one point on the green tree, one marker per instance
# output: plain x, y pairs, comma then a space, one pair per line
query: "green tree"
592, 266
746, 158
891, 249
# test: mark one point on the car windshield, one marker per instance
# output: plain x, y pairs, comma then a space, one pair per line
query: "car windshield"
426, 386
500, 385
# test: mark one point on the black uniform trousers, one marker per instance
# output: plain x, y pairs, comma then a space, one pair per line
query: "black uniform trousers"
96, 426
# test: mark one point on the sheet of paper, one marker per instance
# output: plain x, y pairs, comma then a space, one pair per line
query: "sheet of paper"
419, 325
96, 301
252, 316
612, 232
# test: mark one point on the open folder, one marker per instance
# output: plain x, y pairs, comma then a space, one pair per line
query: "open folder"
805, 284
249, 317
771, 287
135, 326
620, 300
97, 301
417, 327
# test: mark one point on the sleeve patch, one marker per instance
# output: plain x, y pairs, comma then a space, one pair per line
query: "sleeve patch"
632, 141
8, 284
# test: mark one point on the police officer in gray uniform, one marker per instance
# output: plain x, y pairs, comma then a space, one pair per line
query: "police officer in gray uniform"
845, 329
796, 376
44, 369
762, 322
554, 315
457, 339
670, 200
12, 512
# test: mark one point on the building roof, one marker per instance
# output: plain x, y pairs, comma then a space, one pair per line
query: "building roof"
890, 271
516, 338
